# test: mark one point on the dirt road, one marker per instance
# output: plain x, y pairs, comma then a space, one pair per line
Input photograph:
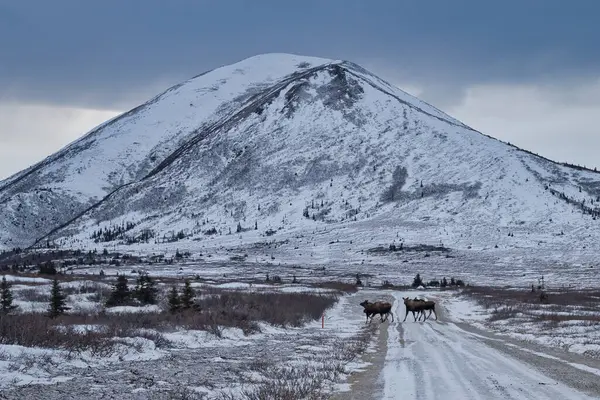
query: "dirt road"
443, 360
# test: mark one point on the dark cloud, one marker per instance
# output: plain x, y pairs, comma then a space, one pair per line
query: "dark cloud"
113, 54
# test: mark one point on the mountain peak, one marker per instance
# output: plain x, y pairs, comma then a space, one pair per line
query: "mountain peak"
289, 145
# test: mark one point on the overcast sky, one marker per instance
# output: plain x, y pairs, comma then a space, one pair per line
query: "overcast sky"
524, 71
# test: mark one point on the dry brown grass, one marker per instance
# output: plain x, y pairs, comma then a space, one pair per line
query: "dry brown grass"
213, 313
562, 297
292, 382
561, 304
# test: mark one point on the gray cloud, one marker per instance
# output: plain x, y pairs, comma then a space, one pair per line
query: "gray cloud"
108, 54
522, 70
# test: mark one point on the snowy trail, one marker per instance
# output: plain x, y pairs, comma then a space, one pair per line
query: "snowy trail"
438, 360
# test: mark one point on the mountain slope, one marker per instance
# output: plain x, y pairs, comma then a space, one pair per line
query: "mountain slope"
291, 144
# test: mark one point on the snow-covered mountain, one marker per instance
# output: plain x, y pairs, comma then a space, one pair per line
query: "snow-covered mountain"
279, 145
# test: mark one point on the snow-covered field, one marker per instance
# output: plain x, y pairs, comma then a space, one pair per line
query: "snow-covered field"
229, 364
439, 360
222, 361
568, 326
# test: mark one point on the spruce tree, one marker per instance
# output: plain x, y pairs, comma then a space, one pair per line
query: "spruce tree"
58, 301
146, 291
174, 300
417, 281
6, 297
187, 298
120, 293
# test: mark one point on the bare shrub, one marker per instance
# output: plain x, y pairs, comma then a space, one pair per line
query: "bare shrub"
213, 313
339, 286
555, 317
159, 339
33, 294
587, 298
503, 313
312, 381
286, 383
100, 294
283, 309
37, 330
562, 304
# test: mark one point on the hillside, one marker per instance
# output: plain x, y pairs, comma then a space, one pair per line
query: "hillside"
280, 146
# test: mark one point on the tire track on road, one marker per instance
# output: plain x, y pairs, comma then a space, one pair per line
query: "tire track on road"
436, 360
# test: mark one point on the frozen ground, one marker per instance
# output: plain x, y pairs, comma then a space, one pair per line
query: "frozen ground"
456, 357
565, 327
192, 364
485, 266
444, 360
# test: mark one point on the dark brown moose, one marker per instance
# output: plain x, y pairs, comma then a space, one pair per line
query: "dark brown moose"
419, 306
379, 307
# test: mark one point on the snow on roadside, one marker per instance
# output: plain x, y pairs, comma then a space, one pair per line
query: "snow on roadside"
150, 308
580, 337
464, 310
343, 321
25, 279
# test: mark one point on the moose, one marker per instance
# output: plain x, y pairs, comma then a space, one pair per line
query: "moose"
419, 306
379, 307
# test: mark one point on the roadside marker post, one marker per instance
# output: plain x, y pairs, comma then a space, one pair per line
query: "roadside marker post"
323, 320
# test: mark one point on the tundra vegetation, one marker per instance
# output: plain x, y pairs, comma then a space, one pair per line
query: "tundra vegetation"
564, 317
104, 316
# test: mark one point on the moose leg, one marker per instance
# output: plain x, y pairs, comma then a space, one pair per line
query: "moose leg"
405, 315
419, 314
428, 315
434, 313
392, 314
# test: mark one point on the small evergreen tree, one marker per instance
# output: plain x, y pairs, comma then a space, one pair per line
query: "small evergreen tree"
58, 301
6, 297
120, 293
187, 297
444, 282
174, 300
47, 268
452, 282
417, 281
358, 281
146, 290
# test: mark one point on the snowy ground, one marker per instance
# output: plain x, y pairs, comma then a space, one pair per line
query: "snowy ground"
457, 357
335, 254
442, 360
569, 327
189, 363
